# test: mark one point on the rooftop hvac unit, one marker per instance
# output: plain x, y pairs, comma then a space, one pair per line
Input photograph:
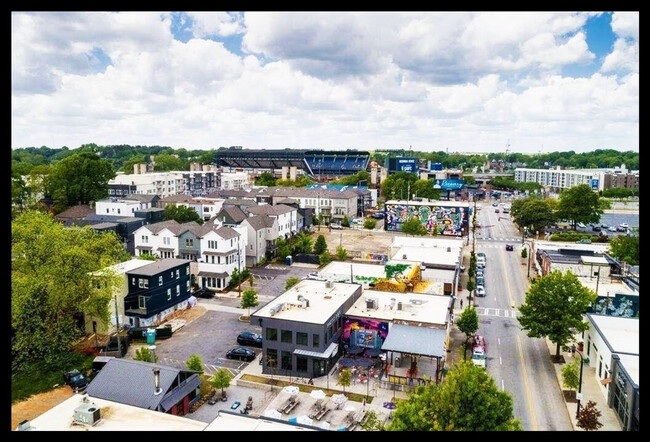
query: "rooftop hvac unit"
449, 249
399, 305
404, 256
371, 304
275, 309
416, 301
24, 426
86, 414
305, 302
329, 284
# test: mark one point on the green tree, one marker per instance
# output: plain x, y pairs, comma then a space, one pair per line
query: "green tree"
145, 355
148, 257
353, 180
320, 245
524, 253
221, 379
166, 162
265, 179
372, 422
341, 253
625, 248
467, 400
315, 220
80, 179
283, 248
238, 277
424, 189
571, 375
346, 221
291, 281
325, 258
345, 378
195, 363
370, 224
588, 417
533, 212
471, 285
580, 204
181, 214
414, 227
51, 282
554, 308
127, 166
302, 243
468, 324
249, 299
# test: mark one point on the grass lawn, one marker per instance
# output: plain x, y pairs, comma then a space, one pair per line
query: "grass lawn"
37, 378
304, 388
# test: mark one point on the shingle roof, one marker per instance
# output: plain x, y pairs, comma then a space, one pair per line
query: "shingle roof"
141, 197
79, 211
157, 227
113, 218
159, 266
239, 202
227, 232
175, 199
104, 225
258, 222
233, 212
267, 209
132, 383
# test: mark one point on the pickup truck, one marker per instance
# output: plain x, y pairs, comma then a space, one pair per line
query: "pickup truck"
77, 381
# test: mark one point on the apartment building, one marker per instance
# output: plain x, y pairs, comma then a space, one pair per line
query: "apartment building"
205, 207
597, 179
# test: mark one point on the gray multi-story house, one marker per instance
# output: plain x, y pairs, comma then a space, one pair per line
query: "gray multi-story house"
301, 328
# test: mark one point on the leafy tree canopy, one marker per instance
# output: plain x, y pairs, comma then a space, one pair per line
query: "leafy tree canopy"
533, 212
181, 214
625, 248
414, 227
580, 204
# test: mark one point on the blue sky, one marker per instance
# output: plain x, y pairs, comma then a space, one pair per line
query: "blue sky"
463, 81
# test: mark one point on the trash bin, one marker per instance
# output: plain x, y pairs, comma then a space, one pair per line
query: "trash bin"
288, 260
151, 336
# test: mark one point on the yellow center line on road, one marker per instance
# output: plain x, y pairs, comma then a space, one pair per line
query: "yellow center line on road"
529, 397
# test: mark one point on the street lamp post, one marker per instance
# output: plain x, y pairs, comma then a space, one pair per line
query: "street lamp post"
579, 395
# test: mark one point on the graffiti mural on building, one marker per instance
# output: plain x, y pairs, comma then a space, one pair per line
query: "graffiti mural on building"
369, 333
445, 220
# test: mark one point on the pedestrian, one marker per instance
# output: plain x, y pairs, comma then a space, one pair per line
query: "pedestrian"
452, 319
461, 303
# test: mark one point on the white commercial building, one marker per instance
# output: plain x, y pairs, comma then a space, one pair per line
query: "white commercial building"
120, 206
562, 179
235, 180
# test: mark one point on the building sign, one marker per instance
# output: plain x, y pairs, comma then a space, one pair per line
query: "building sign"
594, 184
450, 184
367, 333
448, 221
402, 165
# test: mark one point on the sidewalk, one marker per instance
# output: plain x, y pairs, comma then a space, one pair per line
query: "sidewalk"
590, 392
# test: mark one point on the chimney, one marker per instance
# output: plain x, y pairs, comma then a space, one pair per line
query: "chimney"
156, 381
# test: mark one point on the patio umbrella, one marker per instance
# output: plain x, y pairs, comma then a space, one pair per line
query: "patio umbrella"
324, 425
272, 412
347, 362
291, 389
364, 362
355, 350
317, 394
373, 352
339, 399
350, 408
304, 420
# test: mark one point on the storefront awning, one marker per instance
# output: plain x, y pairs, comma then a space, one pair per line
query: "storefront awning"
143, 247
164, 249
213, 275
415, 340
332, 349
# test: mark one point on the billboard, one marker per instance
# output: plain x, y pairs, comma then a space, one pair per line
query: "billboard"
367, 333
451, 184
402, 164
445, 220
594, 184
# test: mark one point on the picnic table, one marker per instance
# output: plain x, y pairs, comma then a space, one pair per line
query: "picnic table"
289, 405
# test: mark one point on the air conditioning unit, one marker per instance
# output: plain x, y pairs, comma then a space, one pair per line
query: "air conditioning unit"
305, 302
24, 426
416, 301
399, 305
275, 309
87, 414
329, 284
371, 304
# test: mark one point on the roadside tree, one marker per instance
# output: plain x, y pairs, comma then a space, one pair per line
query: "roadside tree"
145, 355
195, 363
571, 375
468, 324
625, 248
345, 378
249, 299
221, 380
341, 253
370, 224
580, 204
588, 417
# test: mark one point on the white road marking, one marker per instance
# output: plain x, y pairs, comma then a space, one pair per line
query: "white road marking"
499, 341
495, 298
500, 361
503, 387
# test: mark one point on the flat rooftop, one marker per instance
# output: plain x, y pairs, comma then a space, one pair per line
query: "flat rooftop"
229, 422
160, 266
606, 288
416, 308
413, 241
357, 269
438, 274
431, 203
557, 245
622, 334
114, 417
323, 301
631, 365
428, 256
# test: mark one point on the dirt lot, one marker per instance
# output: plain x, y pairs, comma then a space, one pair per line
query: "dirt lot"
357, 242
38, 404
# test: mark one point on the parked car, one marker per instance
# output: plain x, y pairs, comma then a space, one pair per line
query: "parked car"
249, 338
480, 255
612, 229
506, 211
480, 264
76, 380
203, 293
496, 210
480, 291
595, 228
358, 221
336, 226
480, 280
313, 275
479, 350
495, 204
213, 399
241, 353
378, 215
582, 226
624, 225
509, 247
620, 228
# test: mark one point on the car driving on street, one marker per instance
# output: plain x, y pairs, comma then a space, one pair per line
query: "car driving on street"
479, 350
509, 247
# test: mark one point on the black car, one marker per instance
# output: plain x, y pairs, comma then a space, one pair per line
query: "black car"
203, 293
249, 338
241, 353
596, 228
509, 247
378, 215
76, 380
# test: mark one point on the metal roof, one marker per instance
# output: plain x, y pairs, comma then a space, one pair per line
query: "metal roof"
415, 340
159, 266
333, 348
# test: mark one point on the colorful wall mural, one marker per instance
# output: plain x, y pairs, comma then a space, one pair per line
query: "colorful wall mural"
368, 333
450, 221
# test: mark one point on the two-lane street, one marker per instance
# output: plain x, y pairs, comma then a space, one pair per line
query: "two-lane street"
519, 364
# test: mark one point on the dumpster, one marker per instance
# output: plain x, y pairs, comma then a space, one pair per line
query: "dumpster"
151, 336
288, 260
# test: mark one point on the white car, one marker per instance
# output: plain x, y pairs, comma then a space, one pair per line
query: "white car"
612, 229
480, 291
625, 225
358, 221
478, 357
336, 226
582, 226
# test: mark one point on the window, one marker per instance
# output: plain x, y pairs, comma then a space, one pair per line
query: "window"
301, 364
286, 361
145, 239
178, 290
271, 358
171, 274
107, 211
142, 302
143, 283
286, 336
118, 210
160, 280
178, 273
301, 338
316, 341
231, 243
188, 286
189, 242
166, 240
600, 367
169, 294
132, 281
187, 270
271, 334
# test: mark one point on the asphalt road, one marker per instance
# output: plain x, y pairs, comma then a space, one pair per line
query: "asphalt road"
519, 364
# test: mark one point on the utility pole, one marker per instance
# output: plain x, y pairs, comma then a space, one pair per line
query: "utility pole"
117, 323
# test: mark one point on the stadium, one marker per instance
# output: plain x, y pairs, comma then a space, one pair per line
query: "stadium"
315, 163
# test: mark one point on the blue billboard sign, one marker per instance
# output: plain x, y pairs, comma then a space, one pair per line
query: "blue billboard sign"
451, 184
402, 164
594, 184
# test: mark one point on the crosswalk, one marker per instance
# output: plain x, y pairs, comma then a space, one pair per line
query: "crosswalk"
491, 246
503, 313
264, 277
498, 239
275, 267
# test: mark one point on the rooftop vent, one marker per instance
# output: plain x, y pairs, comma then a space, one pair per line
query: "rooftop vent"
404, 256
156, 381
449, 249
329, 284
86, 414
371, 304
24, 426
275, 309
